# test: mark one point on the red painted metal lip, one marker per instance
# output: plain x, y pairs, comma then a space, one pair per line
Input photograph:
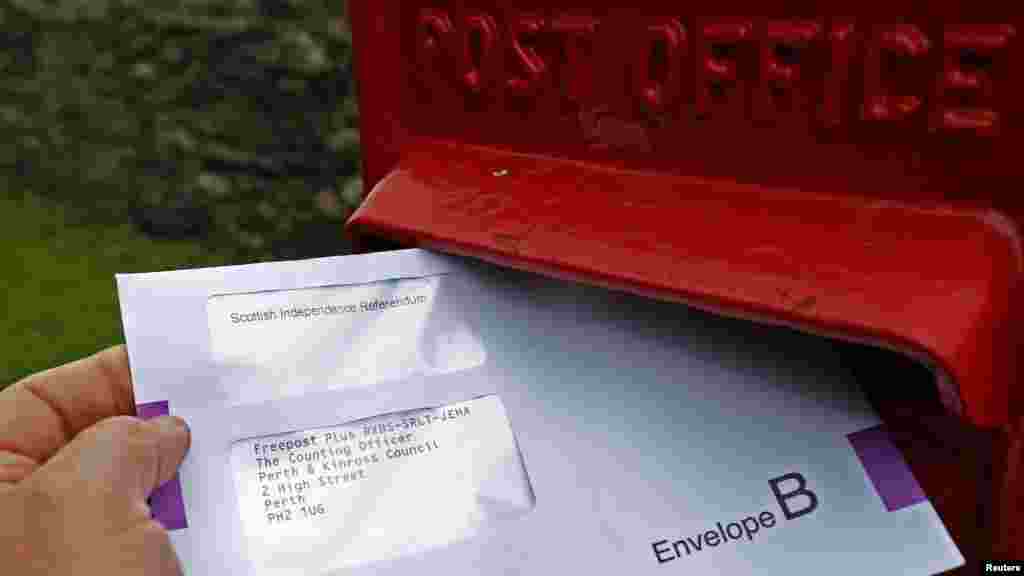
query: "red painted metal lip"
934, 282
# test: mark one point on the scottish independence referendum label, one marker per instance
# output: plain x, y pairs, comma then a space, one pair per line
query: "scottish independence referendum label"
388, 486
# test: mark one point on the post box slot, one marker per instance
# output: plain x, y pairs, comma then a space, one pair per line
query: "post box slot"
832, 265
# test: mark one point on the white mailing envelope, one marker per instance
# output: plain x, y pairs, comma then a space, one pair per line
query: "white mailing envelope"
411, 412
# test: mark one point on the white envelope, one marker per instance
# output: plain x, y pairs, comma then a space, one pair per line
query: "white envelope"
409, 411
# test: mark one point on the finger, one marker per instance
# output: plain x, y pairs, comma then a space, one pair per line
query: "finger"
123, 455
155, 555
43, 412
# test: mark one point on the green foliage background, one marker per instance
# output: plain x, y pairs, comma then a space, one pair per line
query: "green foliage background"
142, 135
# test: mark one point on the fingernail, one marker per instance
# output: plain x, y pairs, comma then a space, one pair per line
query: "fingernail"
171, 424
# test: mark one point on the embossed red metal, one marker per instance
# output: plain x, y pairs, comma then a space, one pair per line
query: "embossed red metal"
854, 174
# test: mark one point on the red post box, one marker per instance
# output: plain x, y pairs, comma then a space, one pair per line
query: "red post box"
853, 176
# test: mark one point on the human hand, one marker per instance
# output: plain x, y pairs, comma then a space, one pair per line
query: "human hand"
76, 470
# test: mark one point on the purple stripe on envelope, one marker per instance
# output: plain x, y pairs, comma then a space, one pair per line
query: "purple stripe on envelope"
886, 468
165, 502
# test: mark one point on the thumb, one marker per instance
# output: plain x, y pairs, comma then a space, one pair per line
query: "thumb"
125, 456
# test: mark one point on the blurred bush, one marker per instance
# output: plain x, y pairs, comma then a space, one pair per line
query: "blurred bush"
231, 121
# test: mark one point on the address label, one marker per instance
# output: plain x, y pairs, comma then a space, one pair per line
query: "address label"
318, 500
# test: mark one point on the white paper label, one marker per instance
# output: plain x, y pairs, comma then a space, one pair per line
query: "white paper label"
270, 345
319, 500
